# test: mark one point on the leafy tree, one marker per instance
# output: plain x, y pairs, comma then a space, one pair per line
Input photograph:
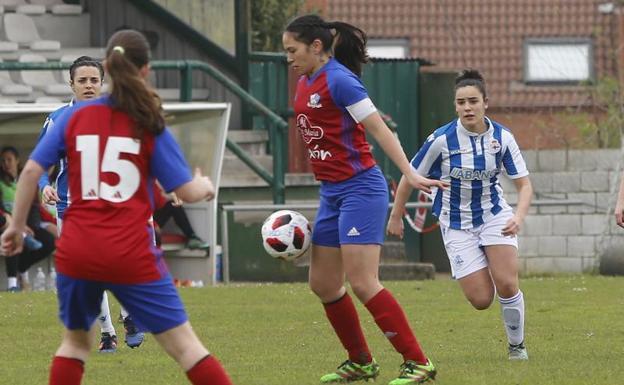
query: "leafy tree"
602, 125
268, 19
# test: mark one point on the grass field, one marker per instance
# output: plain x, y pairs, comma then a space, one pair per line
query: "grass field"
277, 334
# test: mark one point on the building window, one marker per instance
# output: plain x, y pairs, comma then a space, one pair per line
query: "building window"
558, 61
388, 48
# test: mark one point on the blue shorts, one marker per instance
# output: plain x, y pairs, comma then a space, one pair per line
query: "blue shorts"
353, 211
155, 306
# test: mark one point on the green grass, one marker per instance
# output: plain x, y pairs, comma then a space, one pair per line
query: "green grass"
270, 334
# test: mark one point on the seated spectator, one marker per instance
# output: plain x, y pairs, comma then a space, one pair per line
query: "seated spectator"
167, 207
17, 266
48, 219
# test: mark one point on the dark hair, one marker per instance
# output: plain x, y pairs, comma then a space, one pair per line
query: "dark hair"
471, 77
349, 42
4, 176
85, 61
10, 149
127, 52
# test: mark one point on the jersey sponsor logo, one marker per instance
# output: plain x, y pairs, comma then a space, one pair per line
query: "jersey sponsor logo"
319, 153
353, 232
494, 147
460, 151
315, 101
469, 174
307, 130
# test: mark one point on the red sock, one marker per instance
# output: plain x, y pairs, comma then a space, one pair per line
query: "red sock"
344, 318
66, 371
208, 371
391, 319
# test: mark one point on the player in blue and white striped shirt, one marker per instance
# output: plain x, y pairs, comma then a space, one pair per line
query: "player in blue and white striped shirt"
478, 226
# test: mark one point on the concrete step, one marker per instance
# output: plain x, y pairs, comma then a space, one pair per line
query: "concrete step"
393, 251
404, 271
254, 142
239, 178
235, 173
398, 271
390, 270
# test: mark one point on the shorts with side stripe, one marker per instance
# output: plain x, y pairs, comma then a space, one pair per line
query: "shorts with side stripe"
465, 247
155, 306
353, 211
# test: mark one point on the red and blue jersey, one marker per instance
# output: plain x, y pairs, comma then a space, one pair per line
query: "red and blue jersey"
106, 236
329, 107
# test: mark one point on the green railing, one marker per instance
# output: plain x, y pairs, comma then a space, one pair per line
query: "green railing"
278, 126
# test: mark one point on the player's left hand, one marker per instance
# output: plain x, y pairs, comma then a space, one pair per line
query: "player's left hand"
11, 242
512, 227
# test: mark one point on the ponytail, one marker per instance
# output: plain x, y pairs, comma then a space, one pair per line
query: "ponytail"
348, 44
126, 53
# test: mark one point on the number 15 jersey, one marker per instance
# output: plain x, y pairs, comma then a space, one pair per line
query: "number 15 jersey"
106, 235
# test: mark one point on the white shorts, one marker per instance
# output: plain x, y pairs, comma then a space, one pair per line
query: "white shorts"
465, 247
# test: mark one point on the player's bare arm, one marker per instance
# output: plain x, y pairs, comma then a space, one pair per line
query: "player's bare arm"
12, 240
199, 188
392, 147
619, 205
395, 221
525, 194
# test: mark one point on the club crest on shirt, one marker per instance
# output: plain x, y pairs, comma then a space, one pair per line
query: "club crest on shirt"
315, 101
457, 260
494, 147
307, 130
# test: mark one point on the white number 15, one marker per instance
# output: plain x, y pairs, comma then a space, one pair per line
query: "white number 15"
128, 173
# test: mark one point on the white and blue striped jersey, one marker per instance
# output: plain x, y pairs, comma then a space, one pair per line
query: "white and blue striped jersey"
61, 179
470, 163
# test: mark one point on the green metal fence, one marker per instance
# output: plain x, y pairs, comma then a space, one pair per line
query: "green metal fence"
278, 126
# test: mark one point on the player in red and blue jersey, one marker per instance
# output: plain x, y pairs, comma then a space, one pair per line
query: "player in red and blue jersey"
333, 113
478, 226
115, 146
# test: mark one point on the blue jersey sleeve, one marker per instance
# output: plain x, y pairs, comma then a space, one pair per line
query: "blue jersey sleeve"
168, 164
345, 88
51, 145
44, 180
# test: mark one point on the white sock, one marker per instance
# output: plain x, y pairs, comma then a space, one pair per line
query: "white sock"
513, 317
25, 277
124, 312
12, 282
106, 325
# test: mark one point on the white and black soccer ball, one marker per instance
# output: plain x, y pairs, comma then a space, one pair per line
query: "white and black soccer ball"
286, 235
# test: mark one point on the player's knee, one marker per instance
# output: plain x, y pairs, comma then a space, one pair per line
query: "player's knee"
507, 289
327, 292
481, 302
364, 289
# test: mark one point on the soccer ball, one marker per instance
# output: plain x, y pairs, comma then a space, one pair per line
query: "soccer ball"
286, 235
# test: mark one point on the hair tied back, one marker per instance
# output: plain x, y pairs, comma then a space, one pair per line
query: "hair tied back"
119, 49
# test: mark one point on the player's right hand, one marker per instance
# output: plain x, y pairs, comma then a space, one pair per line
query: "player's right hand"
49, 195
425, 184
619, 214
395, 226
12, 241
